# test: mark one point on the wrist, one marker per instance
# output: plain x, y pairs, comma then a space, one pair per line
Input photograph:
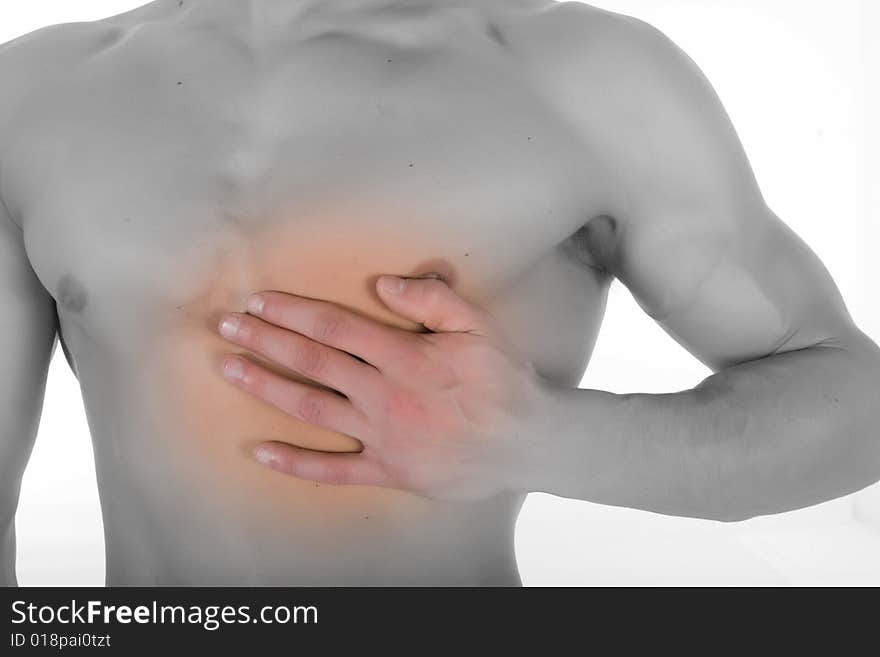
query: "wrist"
574, 449
536, 430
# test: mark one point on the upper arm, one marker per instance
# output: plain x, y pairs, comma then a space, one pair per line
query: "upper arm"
28, 329
691, 235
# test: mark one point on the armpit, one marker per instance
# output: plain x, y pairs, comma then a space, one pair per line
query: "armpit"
595, 244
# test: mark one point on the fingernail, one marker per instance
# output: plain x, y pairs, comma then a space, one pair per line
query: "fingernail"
229, 326
264, 456
256, 304
233, 369
392, 284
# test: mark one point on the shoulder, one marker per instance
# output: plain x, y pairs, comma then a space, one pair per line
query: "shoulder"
36, 62
43, 44
621, 83
572, 34
35, 59
53, 53
592, 60
38, 57
640, 104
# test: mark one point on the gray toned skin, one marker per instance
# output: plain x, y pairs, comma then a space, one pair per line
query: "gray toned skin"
158, 167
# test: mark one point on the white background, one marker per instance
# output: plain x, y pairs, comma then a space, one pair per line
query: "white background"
794, 77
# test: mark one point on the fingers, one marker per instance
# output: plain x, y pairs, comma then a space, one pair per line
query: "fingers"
331, 325
304, 402
322, 467
431, 302
328, 366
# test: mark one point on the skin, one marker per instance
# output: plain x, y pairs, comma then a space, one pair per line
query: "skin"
437, 413
458, 413
159, 168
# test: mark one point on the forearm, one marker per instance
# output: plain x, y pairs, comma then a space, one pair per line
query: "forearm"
765, 437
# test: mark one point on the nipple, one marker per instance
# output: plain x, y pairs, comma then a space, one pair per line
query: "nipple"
437, 269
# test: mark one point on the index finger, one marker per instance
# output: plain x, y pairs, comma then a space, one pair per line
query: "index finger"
377, 344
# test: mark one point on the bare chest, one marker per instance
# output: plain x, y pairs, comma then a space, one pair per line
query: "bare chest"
171, 175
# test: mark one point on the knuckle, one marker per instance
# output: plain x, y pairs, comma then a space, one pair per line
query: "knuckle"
311, 407
310, 359
328, 325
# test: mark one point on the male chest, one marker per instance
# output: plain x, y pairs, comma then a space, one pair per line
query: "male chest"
165, 180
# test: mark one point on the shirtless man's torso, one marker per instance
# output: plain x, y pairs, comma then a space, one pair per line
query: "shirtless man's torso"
158, 167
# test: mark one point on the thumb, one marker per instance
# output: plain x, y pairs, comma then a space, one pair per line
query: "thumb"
431, 302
